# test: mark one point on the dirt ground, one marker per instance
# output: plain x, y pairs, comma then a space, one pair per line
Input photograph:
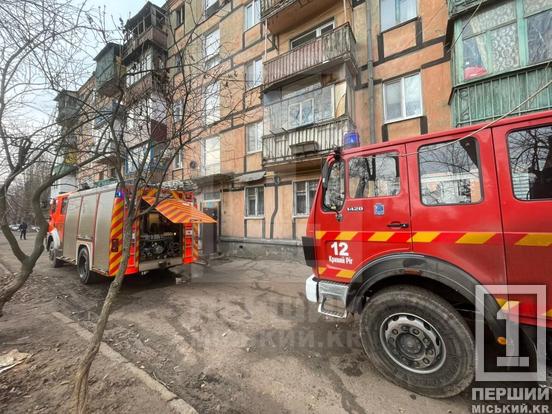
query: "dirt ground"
238, 338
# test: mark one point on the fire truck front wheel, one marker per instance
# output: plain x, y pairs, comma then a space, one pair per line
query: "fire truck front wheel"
86, 276
418, 341
52, 255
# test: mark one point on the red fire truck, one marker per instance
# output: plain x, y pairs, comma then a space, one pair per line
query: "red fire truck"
86, 229
402, 232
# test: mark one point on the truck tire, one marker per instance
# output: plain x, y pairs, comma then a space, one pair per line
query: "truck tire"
418, 341
86, 276
52, 256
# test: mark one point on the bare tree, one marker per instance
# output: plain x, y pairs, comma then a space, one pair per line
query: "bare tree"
162, 111
43, 53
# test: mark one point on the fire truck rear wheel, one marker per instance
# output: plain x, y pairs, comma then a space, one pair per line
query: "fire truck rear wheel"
418, 341
86, 276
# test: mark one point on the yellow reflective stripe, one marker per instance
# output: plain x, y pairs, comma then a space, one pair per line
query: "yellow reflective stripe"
475, 238
509, 305
536, 239
346, 235
501, 301
319, 234
346, 273
321, 270
549, 313
381, 236
424, 236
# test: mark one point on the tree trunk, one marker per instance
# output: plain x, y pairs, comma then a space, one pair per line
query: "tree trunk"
80, 392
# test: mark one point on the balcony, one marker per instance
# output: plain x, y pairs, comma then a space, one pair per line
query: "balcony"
68, 106
331, 48
140, 43
281, 15
492, 97
109, 71
456, 7
305, 144
153, 81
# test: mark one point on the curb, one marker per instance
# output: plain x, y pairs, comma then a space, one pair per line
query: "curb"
177, 404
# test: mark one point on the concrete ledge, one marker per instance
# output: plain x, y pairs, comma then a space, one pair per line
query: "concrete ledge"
290, 250
177, 404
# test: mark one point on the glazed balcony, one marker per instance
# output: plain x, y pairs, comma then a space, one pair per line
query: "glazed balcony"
281, 15
460, 6
489, 98
109, 71
313, 57
138, 44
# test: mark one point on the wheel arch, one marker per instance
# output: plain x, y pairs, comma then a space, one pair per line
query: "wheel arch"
441, 277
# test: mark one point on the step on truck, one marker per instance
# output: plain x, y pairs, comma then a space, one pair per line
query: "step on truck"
402, 233
86, 229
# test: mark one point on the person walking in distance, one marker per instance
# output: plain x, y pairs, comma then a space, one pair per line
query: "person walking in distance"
23, 229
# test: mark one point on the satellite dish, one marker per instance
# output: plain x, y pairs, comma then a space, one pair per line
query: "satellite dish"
193, 165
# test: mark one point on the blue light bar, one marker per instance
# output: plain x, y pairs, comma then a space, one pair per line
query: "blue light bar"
351, 139
118, 194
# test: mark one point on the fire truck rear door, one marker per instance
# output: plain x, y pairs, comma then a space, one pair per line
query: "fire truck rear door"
455, 204
524, 165
374, 219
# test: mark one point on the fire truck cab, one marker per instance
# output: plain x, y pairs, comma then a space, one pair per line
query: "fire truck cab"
86, 229
402, 232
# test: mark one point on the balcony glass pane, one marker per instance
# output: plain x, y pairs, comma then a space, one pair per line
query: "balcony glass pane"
535, 6
490, 18
539, 36
505, 48
393, 100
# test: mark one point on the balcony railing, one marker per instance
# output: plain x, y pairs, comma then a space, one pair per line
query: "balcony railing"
268, 7
459, 6
306, 142
137, 44
490, 98
335, 46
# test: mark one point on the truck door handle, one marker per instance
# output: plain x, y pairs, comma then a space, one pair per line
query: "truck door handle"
398, 225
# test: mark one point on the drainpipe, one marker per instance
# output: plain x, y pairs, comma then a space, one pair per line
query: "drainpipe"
370, 70
273, 217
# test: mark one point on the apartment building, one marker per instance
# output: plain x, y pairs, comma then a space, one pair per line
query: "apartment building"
281, 81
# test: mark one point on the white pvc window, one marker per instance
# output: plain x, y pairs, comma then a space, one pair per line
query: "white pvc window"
252, 14
212, 103
255, 137
254, 202
254, 74
395, 12
178, 158
301, 113
303, 196
210, 156
402, 98
212, 48
312, 34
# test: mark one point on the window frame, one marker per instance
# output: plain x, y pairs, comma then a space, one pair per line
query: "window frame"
246, 203
317, 31
179, 16
204, 166
307, 202
259, 139
520, 22
387, 154
256, 6
403, 100
178, 159
212, 114
258, 81
479, 166
506, 136
398, 23
212, 60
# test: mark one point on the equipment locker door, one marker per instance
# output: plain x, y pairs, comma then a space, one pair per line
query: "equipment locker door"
455, 204
374, 218
524, 165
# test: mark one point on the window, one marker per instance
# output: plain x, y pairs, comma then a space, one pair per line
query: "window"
402, 98
504, 37
137, 158
210, 156
178, 158
212, 48
312, 34
303, 196
212, 100
531, 163
209, 3
255, 137
394, 12
254, 202
450, 173
252, 14
301, 113
178, 111
374, 176
334, 194
254, 73
179, 16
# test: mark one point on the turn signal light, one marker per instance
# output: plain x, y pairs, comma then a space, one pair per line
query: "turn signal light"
115, 245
